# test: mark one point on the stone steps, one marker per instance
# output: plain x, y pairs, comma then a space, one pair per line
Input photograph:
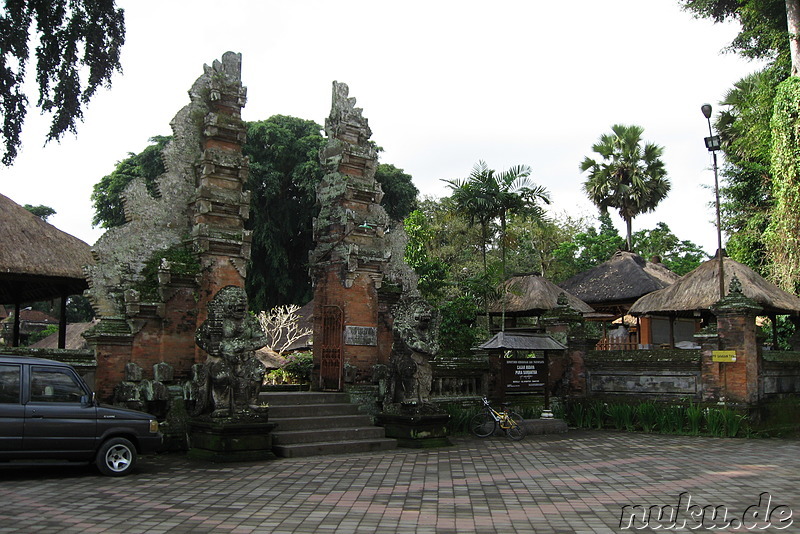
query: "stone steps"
318, 423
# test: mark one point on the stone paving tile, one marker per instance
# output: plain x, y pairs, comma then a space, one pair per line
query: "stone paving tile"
572, 483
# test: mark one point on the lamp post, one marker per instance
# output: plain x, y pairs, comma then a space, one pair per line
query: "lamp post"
713, 144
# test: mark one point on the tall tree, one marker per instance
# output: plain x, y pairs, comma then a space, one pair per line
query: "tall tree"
630, 176
586, 249
487, 195
284, 172
79, 44
107, 193
763, 25
399, 192
678, 256
743, 125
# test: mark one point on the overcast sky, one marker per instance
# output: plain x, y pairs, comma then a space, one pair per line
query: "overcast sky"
443, 84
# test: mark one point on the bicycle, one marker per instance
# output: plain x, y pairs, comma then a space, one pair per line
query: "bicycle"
485, 423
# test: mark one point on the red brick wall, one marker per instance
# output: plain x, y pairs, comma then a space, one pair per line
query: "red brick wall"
111, 360
738, 381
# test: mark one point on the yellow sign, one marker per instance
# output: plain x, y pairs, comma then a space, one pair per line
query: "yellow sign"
727, 356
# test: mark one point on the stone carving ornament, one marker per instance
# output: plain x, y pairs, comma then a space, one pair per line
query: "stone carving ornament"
227, 385
409, 369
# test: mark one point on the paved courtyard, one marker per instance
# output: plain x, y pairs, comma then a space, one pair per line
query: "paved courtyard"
577, 482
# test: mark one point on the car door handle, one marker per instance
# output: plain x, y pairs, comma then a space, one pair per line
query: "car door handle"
37, 416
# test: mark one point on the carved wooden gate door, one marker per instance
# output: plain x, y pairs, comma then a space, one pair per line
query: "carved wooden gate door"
331, 363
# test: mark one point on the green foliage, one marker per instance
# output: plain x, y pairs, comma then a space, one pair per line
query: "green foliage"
284, 173
647, 415
587, 249
298, 366
630, 176
782, 236
786, 329
107, 193
183, 262
744, 123
746, 196
651, 416
486, 196
432, 272
399, 192
694, 416
762, 32
597, 414
40, 335
458, 333
621, 416
41, 211
678, 256
460, 417
78, 50
79, 309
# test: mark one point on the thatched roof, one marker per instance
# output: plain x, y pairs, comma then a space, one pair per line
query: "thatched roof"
37, 260
619, 281
522, 341
699, 290
74, 339
532, 294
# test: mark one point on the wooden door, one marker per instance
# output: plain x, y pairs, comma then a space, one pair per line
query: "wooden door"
331, 362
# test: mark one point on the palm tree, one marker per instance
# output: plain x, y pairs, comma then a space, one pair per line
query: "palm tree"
486, 196
630, 177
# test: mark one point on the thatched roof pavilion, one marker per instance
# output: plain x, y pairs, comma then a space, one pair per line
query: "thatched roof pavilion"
37, 260
699, 290
532, 294
615, 285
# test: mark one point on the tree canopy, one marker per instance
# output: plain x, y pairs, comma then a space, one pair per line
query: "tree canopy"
79, 44
41, 211
630, 176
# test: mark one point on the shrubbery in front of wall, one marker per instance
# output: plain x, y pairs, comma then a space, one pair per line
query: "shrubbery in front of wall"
651, 416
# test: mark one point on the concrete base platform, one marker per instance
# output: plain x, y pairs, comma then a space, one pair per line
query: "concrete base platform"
544, 426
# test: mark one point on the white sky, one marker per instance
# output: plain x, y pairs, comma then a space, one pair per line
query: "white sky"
443, 83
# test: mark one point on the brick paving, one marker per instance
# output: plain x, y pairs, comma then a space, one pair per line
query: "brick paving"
570, 483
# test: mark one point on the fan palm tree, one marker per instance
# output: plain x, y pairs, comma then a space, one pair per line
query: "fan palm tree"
630, 177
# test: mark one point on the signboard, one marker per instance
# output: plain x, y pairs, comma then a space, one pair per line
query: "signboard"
727, 356
526, 375
361, 335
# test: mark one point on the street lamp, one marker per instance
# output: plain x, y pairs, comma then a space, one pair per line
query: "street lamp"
713, 144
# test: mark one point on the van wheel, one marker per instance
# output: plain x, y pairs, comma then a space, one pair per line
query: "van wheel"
116, 457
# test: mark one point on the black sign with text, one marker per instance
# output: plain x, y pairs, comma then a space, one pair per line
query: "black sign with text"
526, 375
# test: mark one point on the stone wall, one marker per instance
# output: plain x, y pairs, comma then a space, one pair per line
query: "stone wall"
657, 374
781, 376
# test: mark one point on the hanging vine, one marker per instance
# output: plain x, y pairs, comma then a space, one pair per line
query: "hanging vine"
783, 233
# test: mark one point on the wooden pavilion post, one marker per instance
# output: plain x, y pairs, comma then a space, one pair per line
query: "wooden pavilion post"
15, 332
62, 321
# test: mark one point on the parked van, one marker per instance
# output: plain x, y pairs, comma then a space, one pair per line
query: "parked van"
48, 412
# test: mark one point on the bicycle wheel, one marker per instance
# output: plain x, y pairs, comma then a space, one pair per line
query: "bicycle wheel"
516, 429
482, 425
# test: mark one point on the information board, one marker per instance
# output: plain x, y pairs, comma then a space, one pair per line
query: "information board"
361, 335
526, 375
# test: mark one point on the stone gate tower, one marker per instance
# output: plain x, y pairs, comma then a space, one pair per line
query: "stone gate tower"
352, 252
154, 275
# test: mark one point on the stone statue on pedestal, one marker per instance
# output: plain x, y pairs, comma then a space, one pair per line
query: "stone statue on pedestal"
228, 384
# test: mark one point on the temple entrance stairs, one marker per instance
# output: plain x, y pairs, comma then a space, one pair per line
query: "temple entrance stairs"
315, 423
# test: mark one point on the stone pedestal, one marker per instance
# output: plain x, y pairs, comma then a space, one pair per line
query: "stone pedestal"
416, 431
225, 441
